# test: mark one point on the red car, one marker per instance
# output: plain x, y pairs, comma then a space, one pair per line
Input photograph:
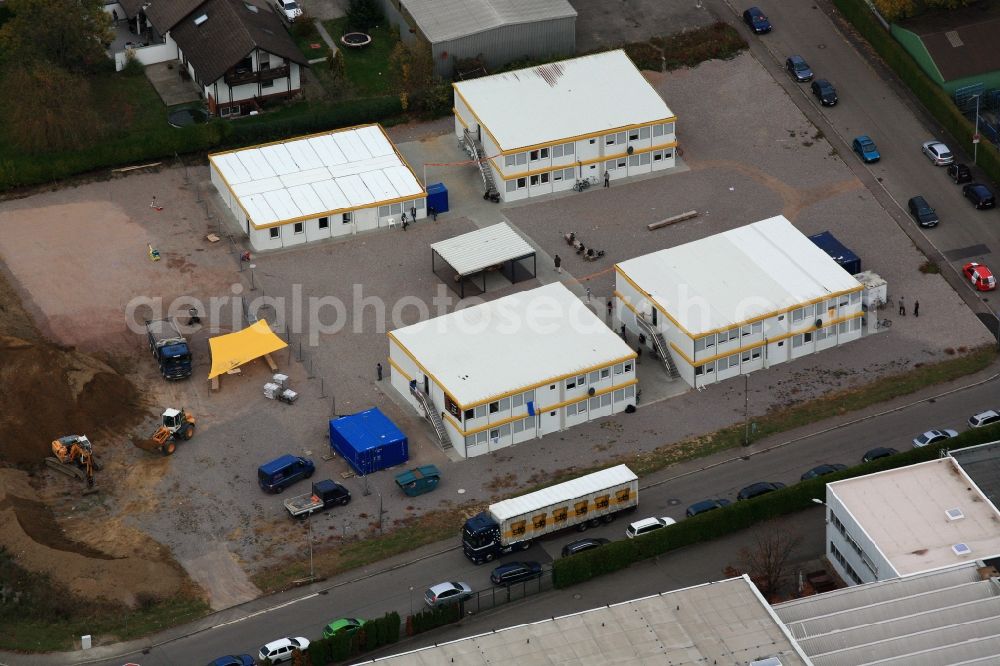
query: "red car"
980, 276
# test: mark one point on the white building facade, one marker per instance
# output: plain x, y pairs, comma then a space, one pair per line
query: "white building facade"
514, 369
773, 297
316, 187
544, 128
907, 521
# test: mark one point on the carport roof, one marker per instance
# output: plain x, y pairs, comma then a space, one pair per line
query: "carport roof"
482, 248
726, 622
514, 343
317, 175
725, 280
441, 20
591, 94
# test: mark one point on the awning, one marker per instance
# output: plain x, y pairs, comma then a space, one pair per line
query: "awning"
482, 248
234, 349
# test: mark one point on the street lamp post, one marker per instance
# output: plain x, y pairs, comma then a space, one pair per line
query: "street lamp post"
312, 570
975, 142
746, 410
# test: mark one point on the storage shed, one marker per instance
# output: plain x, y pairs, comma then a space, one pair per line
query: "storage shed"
318, 186
369, 441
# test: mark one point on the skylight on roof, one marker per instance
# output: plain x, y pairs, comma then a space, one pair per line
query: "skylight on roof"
954, 514
961, 549
201, 19
250, 7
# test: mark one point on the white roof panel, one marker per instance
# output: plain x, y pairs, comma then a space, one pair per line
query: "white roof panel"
566, 99
754, 270
479, 249
562, 492
514, 342
344, 170
442, 20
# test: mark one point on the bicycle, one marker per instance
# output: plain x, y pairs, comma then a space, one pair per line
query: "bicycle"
885, 323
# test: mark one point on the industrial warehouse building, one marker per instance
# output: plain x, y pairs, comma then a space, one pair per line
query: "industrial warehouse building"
495, 31
319, 186
909, 520
774, 296
539, 130
513, 369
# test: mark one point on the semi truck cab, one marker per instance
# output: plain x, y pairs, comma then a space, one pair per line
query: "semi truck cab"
481, 538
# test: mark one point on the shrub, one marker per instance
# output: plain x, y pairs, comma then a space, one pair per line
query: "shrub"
364, 14
133, 67
303, 26
645, 56
433, 618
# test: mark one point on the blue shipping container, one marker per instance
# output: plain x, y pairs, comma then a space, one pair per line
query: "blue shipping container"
827, 242
437, 198
369, 441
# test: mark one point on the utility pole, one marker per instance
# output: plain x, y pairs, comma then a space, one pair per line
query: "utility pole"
975, 138
312, 570
746, 410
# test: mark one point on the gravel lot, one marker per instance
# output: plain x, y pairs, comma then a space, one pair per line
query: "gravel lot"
203, 503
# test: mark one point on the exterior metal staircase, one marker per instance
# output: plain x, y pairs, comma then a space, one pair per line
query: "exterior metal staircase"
430, 412
476, 151
659, 344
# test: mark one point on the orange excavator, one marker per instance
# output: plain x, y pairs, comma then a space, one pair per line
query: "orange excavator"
74, 455
177, 425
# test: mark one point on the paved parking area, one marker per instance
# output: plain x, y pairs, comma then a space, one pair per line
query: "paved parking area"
603, 24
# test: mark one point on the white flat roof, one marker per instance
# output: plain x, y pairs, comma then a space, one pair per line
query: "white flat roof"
482, 248
726, 279
586, 95
443, 20
317, 175
903, 511
562, 492
518, 341
716, 623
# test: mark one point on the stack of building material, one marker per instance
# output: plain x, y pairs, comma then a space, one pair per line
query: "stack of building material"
271, 390
281, 380
288, 395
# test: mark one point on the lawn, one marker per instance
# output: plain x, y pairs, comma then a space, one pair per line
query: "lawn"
307, 38
367, 68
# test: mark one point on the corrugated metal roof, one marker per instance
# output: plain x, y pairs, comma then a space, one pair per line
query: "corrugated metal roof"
442, 20
721, 280
316, 175
482, 248
514, 342
585, 95
562, 492
727, 622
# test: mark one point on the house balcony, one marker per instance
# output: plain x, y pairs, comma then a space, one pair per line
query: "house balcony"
239, 77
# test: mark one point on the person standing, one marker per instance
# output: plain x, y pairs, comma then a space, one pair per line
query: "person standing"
413, 213
378, 371
611, 308
916, 308
607, 178
638, 354
558, 262
624, 334
902, 307
588, 294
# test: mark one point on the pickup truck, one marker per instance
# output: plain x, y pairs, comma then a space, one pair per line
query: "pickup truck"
324, 494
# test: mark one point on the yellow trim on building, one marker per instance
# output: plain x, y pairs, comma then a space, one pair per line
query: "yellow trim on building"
557, 167
395, 366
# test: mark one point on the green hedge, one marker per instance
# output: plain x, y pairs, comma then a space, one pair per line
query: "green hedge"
933, 98
740, 515
375, 634
432, 619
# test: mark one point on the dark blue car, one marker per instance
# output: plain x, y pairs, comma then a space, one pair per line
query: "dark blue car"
865, 148
515, 572
233, 660
282, 472
705, 505
756, 20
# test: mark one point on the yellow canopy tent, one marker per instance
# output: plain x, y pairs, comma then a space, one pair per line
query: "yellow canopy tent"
234, 349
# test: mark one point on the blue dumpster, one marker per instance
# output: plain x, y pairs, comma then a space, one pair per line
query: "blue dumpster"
437, 198
827, 242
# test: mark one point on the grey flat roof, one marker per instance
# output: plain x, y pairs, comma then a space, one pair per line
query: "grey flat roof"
727, 622
441, 20
982, 464
949, 616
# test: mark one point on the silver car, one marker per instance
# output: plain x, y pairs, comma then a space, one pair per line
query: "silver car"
933, 437
447, 593
937, 152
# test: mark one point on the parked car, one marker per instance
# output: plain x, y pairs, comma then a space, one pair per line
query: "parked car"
989, 417
879, 452
825, 92
647, 525
980, 276
822, 470
865, 148
345, 625
706, 505
515, 572
756, 21
922, 212
289, 9
447, 593
233, 660
278, 474
932, 437
937, 153
798, 68
580, 545
281, 649
758, 489
980, 196
959, 173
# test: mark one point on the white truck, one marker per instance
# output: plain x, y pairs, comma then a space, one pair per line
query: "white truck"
584, 502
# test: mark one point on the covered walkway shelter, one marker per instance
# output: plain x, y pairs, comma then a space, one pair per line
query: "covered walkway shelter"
478, 253
232, 350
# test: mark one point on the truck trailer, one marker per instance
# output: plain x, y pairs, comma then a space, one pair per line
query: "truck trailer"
169, 348
583, 502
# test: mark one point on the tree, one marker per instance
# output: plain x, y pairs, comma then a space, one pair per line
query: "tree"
419, 88
765, 560
67, 33
57, 115
364, 14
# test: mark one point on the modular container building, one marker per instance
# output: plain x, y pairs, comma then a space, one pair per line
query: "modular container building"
369, 441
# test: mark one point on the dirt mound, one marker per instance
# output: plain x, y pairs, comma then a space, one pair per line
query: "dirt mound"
50, 392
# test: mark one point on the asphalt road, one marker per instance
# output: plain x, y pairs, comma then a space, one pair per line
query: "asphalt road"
669, 493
